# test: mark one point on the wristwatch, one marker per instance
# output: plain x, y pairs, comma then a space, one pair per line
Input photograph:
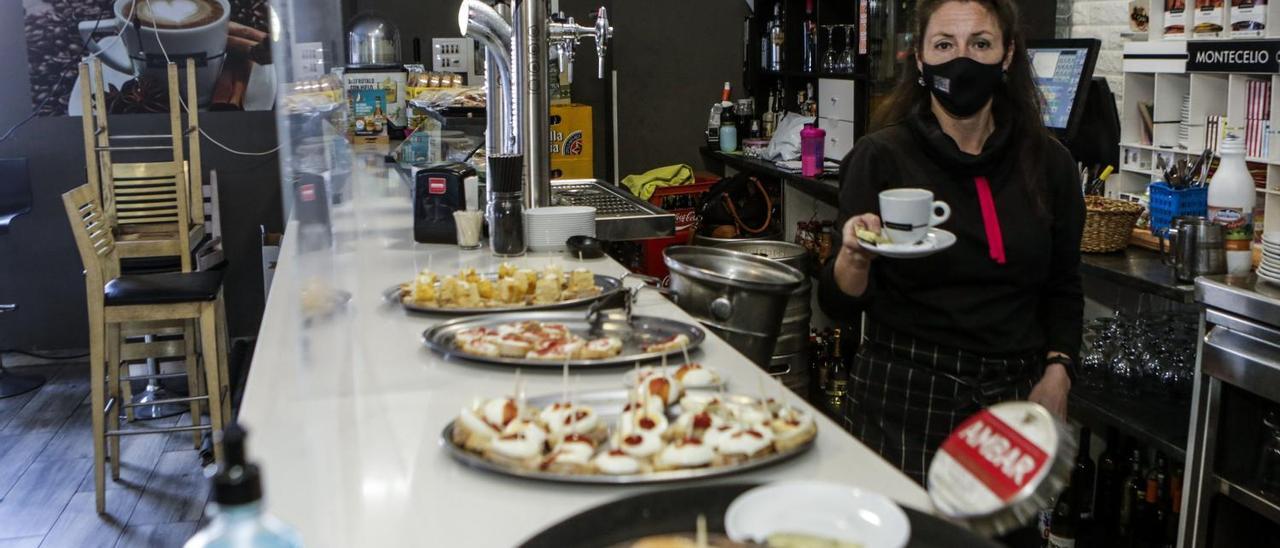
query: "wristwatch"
1066, 362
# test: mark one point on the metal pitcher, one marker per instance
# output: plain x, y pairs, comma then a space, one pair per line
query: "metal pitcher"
1197, 247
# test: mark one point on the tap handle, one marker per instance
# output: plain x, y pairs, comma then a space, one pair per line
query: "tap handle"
604, 32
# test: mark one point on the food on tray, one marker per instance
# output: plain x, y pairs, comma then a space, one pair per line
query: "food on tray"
512, 287
674, 342
648, 435
536, 341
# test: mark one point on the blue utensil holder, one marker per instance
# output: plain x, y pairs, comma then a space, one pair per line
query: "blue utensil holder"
1168, 203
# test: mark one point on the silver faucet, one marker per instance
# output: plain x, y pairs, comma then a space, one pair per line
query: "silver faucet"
566, 35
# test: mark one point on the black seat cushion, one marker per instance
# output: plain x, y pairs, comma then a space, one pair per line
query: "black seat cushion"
130, 266
163, 288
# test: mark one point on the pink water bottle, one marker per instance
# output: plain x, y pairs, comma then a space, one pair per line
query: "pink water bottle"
812, 139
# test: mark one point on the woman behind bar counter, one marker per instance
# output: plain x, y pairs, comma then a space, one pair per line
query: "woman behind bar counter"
998, 315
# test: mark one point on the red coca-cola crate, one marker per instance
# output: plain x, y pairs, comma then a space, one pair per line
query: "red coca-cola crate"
682, 201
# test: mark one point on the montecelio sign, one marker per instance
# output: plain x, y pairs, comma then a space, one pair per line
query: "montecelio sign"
1233, 56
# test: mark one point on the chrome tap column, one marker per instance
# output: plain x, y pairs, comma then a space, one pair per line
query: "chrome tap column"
530, 56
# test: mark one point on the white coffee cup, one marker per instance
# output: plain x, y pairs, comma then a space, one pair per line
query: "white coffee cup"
143, 52
907, 213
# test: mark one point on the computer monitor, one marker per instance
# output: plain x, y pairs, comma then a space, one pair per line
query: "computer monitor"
1062, 69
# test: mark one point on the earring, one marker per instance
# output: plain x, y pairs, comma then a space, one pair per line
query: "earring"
920, 81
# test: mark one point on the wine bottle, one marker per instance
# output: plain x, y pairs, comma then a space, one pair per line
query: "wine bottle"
1082, 477
1066, 518
1105, 506
837, 375
1132, 490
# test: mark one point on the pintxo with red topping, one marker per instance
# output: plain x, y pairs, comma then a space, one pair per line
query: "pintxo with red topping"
621, 435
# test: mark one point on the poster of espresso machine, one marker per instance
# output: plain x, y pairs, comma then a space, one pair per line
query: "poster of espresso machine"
228, 40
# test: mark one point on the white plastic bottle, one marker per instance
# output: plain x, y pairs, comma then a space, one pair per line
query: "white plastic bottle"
1232, 196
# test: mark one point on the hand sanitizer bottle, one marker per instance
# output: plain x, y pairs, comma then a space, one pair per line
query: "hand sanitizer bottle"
238, 517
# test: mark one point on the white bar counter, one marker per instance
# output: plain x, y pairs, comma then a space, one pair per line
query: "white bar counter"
345, 413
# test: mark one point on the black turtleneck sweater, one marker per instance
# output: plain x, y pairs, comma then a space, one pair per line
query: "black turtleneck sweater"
961, 297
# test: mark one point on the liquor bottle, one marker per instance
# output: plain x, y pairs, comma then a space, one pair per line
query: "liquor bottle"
810, 38
1044, 519
1174, 522
770, 116
1132, 490
1066, 517
1082, 478
810, 107
777, 37
837, 375
1157, 502
1105, 499
766, 45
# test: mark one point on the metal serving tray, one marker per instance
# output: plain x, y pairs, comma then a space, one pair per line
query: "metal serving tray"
609, 286
634, 334
608, 405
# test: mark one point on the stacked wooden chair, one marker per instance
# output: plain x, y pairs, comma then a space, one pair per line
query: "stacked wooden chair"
152, 214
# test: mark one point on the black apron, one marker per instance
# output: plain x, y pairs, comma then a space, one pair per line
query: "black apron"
905, 395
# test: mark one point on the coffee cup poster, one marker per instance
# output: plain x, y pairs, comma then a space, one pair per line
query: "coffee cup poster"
228, 40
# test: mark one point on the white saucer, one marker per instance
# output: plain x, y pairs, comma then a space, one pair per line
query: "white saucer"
937, 240
827, 510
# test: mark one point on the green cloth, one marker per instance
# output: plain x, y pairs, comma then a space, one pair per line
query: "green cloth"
645, 184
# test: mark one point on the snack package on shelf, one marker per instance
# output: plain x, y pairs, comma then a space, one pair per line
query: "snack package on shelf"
1248, 18
1175, 19
1208, 19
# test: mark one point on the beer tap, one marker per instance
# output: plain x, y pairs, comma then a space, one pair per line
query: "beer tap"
564, 37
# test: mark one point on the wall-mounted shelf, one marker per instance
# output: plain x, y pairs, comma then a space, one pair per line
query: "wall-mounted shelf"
823, 189
814, 75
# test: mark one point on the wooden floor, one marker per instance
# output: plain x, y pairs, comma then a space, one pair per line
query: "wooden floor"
46, 478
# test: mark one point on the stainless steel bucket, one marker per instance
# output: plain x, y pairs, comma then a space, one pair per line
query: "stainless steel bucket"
793, 335
740, 297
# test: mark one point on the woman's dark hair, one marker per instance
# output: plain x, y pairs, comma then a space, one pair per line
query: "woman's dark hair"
1019, 97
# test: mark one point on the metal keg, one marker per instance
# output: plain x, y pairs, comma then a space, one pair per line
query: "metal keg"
790, 360
740, 297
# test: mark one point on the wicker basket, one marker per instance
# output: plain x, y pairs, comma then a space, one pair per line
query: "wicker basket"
1108, 224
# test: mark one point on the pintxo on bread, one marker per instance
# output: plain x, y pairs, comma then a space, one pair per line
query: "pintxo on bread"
511, 288
534, 340
645, 435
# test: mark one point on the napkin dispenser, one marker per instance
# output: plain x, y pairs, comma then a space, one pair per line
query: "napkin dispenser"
438, 191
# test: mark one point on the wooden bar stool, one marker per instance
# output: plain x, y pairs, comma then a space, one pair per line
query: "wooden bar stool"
114, 300
148, 206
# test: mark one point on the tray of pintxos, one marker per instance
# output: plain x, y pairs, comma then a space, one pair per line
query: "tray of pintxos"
654, 433
554, 339
509, 289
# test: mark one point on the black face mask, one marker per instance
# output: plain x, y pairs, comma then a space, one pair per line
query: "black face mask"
963, 85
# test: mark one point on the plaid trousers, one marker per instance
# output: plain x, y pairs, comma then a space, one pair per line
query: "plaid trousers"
905, 395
